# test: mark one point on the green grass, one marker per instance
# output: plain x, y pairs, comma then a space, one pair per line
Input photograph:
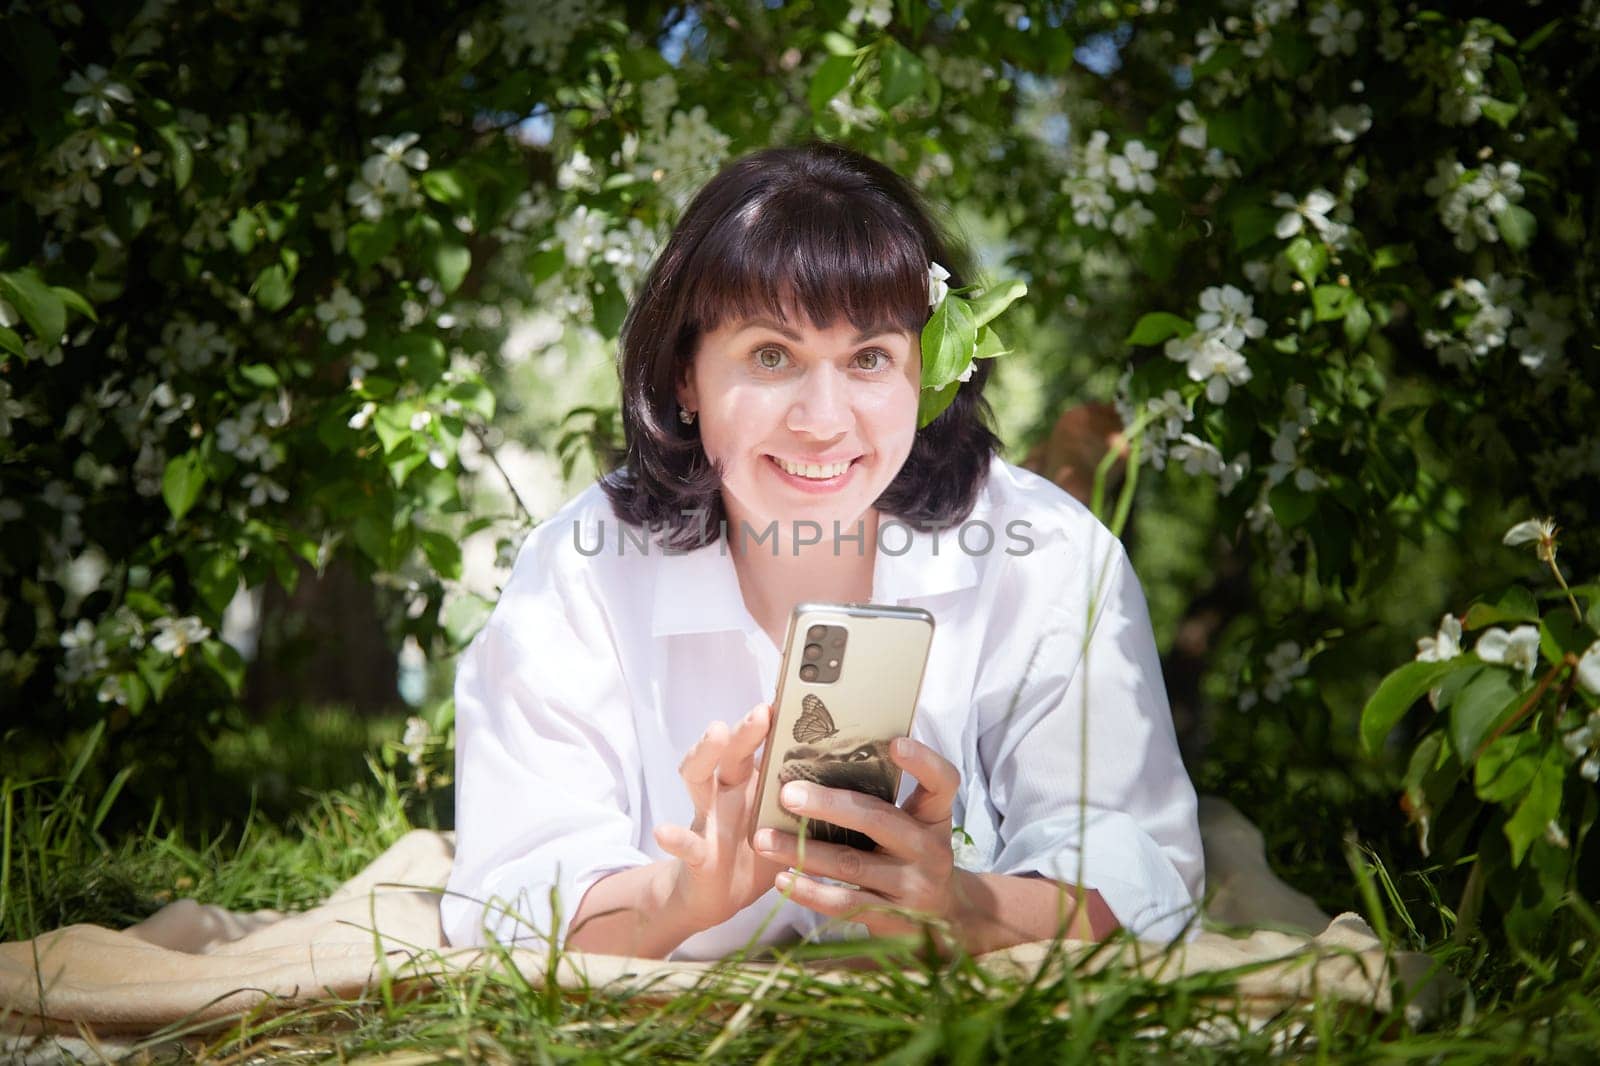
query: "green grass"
58, 866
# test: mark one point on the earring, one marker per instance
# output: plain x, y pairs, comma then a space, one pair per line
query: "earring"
685, 416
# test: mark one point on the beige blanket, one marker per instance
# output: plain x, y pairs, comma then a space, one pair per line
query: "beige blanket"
192, 962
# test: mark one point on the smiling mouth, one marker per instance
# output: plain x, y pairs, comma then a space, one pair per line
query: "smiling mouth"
812, 471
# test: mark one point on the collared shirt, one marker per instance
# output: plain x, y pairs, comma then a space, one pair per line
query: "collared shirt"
608, 656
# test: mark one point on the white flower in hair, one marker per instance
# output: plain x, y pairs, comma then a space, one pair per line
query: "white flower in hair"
937, 277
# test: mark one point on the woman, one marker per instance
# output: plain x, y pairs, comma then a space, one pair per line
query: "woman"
770, 382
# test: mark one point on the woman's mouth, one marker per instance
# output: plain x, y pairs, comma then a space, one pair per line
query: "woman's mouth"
813, 477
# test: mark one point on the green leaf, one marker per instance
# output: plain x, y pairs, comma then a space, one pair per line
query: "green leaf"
369, 242
225, 663
1330, 302
445, 186
157, 669
11, 342
1290, 506
1539, 808
947, 341
1560, 634
260, 375
75, 302
393, 425
449, 263
465, 615
272, 289
1357, 323
1158, 326
1517, 226
1500, 112
990, 304
1478, 708
443, 554
1516, 604
216, 577
1396, 694
932, 402
37, 303
1251, 224
185, 476
180, 153
242, 230
990, 346
1308, 258
902, 74
832, 76
1507, 767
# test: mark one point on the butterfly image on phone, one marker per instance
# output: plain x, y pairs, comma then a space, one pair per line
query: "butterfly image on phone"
829, 756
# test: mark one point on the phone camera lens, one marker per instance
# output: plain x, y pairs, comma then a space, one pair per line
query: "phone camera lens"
837, 640
816, 633
808, 672
813, 652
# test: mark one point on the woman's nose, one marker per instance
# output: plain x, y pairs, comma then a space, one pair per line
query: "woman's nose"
822, 407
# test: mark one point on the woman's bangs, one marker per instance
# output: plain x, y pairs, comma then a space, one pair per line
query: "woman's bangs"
830, 260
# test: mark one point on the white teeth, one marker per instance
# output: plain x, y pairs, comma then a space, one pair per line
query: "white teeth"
813, 470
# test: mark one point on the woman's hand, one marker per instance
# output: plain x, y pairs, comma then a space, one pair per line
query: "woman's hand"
912, 870
718, 873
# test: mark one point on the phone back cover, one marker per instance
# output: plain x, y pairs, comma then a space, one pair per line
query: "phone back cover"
837, 733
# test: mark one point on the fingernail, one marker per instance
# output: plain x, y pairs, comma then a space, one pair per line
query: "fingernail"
901, 747
794, 795
766, 840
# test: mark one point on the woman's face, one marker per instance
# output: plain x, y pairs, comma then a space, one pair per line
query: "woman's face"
809, 424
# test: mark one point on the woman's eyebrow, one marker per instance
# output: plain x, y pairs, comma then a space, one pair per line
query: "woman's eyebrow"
778, 327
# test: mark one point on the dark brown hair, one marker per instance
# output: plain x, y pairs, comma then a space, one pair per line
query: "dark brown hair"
836, 233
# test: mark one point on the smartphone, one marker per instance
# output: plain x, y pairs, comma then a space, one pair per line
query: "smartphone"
848, 686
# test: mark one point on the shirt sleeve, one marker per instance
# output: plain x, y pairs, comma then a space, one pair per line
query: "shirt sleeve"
1081, 757
548, 772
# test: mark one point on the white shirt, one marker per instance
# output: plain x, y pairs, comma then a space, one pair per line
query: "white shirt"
604, 661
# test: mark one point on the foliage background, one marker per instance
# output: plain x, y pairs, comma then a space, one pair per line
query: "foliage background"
286, 291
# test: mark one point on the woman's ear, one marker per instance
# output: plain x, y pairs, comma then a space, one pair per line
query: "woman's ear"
688, 399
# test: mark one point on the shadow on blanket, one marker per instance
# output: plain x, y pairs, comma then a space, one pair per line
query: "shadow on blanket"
191, 962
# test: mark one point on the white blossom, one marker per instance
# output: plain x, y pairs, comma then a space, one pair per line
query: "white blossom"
1228, 314
1518, 649
141, 167
1443, 645
1169, 411
1133, 170
577, 172
1335, 30
876, 12
1132, 220
581, 233
938, 283
1543, 334
381, 78
96, 93
363, 415
340, 314
263, 488
1197, 456
1219, 366
690, 147
1588, 674
1284, 663
1313, 210
542, 29
1193, 130
176, 636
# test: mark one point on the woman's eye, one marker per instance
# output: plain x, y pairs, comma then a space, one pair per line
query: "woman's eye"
769, 358
873, 360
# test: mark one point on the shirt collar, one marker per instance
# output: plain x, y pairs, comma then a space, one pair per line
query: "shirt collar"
698, 591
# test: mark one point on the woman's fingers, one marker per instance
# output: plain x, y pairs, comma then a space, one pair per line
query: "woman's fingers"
938, 780
738, 757
838, 861
680, 843
699, 766
896, 832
